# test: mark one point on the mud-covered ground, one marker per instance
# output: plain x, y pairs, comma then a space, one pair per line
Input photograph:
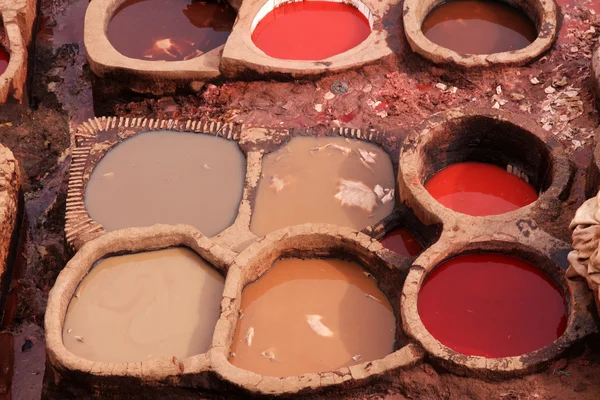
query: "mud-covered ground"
394, 96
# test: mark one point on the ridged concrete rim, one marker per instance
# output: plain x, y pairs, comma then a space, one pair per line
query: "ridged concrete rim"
241, 56
97, 136
544, 14
104, 59
541, 254
430, 211
318, 241
130, 240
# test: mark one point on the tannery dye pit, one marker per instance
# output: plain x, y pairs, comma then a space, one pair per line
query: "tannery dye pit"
4, 58
312, 315
169, 30
480, 189
350, 200
491, 305
170, 178
310, 30
141, 306
478, 27
402, 242
329, 180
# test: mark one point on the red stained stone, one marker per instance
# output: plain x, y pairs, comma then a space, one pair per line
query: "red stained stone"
402, 242
480, 189
491, 305
310, 30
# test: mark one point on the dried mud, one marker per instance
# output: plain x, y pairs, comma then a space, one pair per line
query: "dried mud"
393, 96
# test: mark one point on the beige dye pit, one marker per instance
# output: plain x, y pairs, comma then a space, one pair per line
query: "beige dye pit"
312, 315
141, 306
169, 178
329, 180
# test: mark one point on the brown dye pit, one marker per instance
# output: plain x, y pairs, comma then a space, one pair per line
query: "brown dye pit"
168, 177
142, 306
478, 27
330, 180
169, 30
312, 315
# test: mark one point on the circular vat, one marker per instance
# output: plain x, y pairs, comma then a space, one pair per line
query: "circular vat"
310, 30
313, 307
312, 315
493, 307
177, 30
480, 163
403, 242
141, 306
136, 306
335, 180
4, 58
403, 233
167, 177
480, 32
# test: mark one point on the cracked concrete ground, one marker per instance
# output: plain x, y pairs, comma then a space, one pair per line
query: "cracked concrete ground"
555, 91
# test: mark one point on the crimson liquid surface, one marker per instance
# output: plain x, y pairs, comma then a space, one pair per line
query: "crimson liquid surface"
491, 305
478, 27
310, 30
478, 189
402, 242
4, 58
169, 30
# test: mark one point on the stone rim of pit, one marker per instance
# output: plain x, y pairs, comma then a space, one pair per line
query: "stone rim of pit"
131, 240
313, 240
545, 254
543, 13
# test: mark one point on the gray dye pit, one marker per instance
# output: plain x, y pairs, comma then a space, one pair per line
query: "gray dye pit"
170, 178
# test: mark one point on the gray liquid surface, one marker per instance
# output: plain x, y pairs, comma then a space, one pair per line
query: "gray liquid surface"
169, 178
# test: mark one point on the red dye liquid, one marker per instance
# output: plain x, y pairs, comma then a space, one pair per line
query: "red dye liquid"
480, 189
310, 30
491, 305
4, 58
402, 242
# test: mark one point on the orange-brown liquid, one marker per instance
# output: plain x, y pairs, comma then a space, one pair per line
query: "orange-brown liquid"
169, 178
478, 27
141, 306
324, 180
169, 30
312, 316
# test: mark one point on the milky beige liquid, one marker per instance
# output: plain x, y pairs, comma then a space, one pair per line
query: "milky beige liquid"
299, 184
170, 178
141, 306
312, 316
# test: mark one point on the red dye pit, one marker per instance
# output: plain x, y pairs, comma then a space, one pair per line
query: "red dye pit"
169, 30
402, 242
310, 30
4, 58
491, 305
480, 189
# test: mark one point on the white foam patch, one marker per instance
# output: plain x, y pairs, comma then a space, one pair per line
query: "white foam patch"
270, 5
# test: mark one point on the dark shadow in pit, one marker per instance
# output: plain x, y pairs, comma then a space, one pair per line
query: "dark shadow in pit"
487, 140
